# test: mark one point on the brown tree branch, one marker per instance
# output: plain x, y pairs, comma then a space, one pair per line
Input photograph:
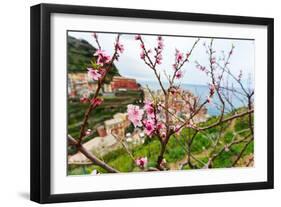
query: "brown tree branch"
226, 120
242, 152
90, 156
91, 107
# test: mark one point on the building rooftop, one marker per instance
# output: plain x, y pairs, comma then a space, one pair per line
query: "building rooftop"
113, 121
122, 78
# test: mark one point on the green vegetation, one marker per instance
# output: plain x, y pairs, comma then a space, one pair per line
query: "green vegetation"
176, 152
80, 53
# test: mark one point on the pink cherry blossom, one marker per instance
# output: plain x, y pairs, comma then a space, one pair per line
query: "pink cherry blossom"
135, 114
174, 66
179, 56
160, 126
137, 37
102, 71
94, 74
179, 74
84, 98
142, 55
212, 90
149, 109
158, 59
160, 43
149, 127
159, 38
103, 57
178, 129
213, 60
141, 162
200, 67
119, 47
96, 102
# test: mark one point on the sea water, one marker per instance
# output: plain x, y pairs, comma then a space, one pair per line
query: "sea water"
202, 91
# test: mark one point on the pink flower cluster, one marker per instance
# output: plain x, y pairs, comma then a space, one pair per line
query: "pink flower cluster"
211, 93
149, 108
103, 57
96, 102
137, 37
149, 123
158, 49
147, 118
178, 56
84, 98
141, 162
135, 115
149, 127
94, 74
119, 47
179, 59
179, 74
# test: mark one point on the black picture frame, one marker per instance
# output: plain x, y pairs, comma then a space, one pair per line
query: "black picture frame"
41, 96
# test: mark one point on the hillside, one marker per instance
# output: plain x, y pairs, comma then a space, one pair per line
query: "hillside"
80, 53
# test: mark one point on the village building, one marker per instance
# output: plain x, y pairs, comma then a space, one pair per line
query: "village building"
79, 84
119, 83
117, 125
107, 88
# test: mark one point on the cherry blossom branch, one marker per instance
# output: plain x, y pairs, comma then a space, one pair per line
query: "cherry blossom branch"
179, 62
226, 120
145, 56
170, 117
100, 83
90, 156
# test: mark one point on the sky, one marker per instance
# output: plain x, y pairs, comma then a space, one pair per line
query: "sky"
130, 64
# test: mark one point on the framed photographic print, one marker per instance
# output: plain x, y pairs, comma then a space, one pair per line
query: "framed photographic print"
132, 103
